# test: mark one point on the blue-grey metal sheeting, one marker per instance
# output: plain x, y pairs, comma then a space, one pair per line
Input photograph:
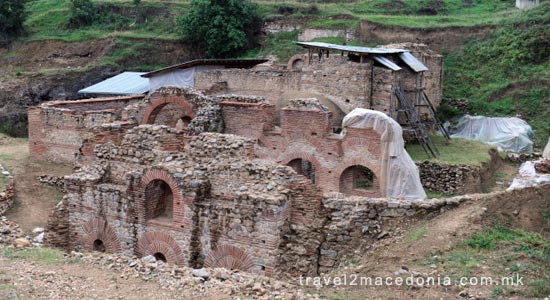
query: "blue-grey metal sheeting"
412, 62
126, 83
353, 49
386, 62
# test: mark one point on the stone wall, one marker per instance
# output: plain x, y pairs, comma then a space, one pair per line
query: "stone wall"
346, 83
458, 179
227, 209
58, 129
355, 222
305, 133
7, 196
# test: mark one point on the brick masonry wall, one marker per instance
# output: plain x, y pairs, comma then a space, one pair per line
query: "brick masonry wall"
307, 134
58, 129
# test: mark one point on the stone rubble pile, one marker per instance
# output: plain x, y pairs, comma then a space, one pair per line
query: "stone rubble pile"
10, 232
242, 99
235, 284
543, 166
7, 195
307, 103
519, 158
55, 181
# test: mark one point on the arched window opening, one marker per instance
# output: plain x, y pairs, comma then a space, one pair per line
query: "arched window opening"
358, 180
99, 246
303, 167
160, 256
159, 200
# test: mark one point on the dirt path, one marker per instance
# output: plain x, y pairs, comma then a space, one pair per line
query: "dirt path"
33, 200
27, 280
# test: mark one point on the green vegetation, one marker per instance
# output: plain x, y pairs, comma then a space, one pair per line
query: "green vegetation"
509, 73
220, 28
282, 45
82, 13
458, 151
12, 16
417, 234
504, 251
47, 256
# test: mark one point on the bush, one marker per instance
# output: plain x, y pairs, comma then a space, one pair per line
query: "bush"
12, 16
82, 13
220, 28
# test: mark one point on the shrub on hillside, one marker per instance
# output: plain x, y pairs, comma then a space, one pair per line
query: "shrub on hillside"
220, 28
12, 16
82, 13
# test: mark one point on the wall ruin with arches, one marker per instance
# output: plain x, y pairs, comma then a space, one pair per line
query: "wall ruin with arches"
202, 201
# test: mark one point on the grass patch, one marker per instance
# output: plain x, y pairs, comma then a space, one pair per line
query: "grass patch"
458, 151
417, 234
47, 256
4, 287
283, 45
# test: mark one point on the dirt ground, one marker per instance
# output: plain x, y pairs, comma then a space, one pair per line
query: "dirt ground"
27, 280
33, 201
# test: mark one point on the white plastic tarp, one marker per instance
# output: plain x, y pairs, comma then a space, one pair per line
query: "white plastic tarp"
528, 176
178, 78
546, 152
399, 170
508, 134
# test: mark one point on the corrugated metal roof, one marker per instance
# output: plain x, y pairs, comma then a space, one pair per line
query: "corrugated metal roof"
386, 62
353, 49
126, 83
231, 63
412, 62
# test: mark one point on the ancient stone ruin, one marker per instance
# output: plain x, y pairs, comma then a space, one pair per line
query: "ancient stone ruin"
228, 180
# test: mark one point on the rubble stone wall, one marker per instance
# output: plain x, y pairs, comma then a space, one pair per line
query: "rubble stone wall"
346, 83
458, 179
7, 196
227, 207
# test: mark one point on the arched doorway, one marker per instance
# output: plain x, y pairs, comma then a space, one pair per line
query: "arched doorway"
160, 256
159, 200
98, 246
169, 115
303, 167
359, 180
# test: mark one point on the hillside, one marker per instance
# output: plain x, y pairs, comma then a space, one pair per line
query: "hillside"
53, 61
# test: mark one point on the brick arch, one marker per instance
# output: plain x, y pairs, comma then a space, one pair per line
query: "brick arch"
288, 157
160, 174
229, 257
151, 243
372, 166
156, 105
295, 58
97, 228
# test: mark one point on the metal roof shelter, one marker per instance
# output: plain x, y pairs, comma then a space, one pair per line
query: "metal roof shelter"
228, 63
126, 83
377, 54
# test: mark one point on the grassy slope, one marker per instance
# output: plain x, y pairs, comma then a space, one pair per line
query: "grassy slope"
489, 72
509, 73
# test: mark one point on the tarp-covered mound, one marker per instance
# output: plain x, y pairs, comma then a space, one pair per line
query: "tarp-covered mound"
508, 134
400, 171
546, 152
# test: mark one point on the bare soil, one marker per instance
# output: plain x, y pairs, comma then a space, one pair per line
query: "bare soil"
33, 200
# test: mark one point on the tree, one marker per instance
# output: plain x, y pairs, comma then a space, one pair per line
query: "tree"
82, 13
12, 16
220, 28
